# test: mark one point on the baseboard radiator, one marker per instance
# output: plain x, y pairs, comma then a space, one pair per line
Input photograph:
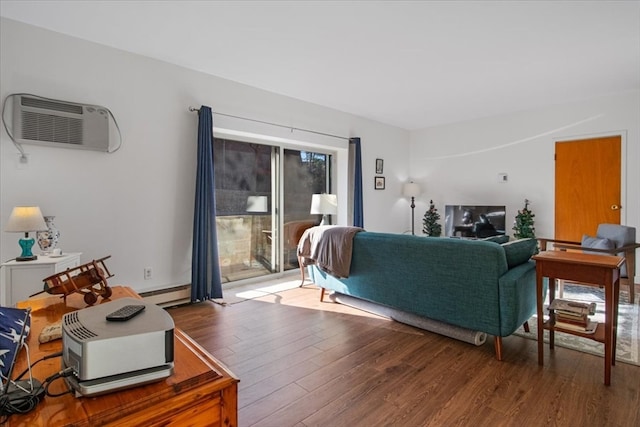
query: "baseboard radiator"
169, 297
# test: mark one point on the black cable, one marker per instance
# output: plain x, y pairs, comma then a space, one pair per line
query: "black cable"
11, 404
4, 108
51, 378
64, 373
49, 356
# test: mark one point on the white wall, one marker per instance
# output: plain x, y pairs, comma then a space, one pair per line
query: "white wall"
137, 203
459, 163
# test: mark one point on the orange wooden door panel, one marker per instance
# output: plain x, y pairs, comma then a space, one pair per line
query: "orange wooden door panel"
587, 186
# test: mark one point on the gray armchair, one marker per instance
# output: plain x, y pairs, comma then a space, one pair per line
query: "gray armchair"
610, 239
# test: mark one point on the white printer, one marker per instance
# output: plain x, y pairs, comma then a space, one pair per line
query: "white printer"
108, 355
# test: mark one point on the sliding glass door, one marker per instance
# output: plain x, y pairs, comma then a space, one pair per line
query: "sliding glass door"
254, 183
243, 207
305, 173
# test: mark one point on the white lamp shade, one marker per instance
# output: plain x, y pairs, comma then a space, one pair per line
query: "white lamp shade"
24, 219
324, 204
257, 204
411, 189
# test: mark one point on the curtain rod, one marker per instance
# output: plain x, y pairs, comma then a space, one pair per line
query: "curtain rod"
197, 110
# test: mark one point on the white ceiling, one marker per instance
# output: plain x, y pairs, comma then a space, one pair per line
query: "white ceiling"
407, 64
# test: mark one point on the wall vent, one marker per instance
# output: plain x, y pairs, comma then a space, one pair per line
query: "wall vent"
59, 123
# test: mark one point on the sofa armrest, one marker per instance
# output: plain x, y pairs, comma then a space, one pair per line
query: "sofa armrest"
517, 289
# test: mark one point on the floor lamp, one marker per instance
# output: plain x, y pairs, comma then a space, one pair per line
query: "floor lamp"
411, 189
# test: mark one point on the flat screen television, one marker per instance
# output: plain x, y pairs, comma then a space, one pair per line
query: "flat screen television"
474, 221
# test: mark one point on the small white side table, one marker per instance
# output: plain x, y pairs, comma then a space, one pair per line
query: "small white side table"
20, 279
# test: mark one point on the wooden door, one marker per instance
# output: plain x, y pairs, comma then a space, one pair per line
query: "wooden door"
587, 186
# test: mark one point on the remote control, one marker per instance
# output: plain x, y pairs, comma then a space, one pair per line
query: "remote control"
125, 313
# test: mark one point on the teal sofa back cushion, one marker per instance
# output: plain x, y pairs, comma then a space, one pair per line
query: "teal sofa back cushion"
502, 238
519, 251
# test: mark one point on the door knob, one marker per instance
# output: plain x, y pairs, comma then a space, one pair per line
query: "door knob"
615, 207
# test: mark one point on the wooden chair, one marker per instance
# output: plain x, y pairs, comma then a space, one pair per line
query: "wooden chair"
292, 232
624, 244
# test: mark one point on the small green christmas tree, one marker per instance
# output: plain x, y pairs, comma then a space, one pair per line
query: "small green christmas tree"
430, 222
523, 225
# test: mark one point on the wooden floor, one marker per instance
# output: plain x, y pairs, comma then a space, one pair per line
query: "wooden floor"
306, 363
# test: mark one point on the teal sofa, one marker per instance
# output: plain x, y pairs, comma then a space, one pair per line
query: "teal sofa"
474, 284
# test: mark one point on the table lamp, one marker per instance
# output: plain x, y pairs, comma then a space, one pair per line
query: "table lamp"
24, 219
257, 204
411, 189
325, 205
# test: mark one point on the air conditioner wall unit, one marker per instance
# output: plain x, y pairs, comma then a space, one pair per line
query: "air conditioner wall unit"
43, 121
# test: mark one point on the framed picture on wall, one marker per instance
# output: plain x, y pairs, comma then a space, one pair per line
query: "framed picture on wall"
379, 183
379, 166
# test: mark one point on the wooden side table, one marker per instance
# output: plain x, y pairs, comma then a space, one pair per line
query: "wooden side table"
588, 270
201, 391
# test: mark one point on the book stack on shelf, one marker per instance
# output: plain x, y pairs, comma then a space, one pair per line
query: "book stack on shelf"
574, 315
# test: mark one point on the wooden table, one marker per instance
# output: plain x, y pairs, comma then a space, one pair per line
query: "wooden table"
200, 392
588, 270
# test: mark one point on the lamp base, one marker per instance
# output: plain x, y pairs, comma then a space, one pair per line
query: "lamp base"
326, 220
26, 244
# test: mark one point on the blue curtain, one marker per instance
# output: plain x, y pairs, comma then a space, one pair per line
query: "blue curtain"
358, 210
206, 282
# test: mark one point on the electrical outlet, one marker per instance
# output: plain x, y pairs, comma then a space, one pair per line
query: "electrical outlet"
147, 273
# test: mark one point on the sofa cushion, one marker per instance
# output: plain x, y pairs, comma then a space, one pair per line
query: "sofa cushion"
519, 251
597, 242
500, 239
